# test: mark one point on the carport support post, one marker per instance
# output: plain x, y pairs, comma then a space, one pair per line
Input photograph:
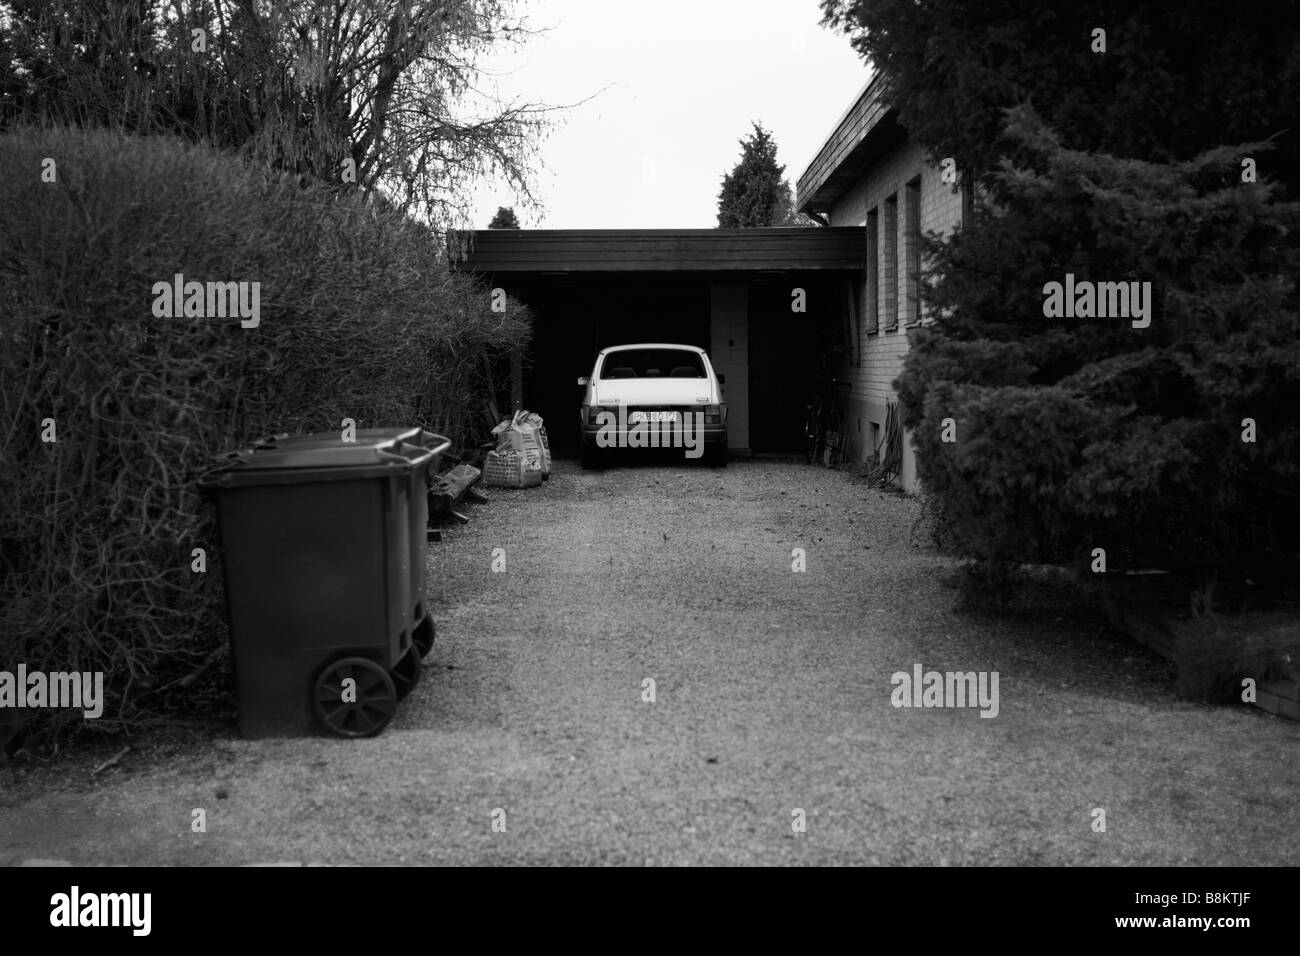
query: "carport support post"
729, 351
516, 379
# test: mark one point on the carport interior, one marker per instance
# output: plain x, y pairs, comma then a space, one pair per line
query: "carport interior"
770, 359
694, 287
577, 316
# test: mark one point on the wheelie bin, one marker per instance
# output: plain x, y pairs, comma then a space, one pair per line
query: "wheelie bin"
423, 630
320, 588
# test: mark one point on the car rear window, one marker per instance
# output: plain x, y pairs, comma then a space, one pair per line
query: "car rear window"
652, 363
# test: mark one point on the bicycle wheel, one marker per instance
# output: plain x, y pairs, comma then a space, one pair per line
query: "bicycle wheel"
835, 435
837, 451
810, 436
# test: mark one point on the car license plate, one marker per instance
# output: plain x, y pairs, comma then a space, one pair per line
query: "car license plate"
636, 417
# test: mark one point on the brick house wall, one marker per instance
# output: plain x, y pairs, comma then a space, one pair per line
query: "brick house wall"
895, 195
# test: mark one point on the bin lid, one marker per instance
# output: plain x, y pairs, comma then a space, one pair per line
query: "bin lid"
325, 456
364, 436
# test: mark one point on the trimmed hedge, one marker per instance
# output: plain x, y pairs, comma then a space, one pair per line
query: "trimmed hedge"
359, 318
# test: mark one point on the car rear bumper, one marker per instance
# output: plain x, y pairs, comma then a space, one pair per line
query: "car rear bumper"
705, 438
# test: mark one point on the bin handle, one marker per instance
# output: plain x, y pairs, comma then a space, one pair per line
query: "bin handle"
428, 453
412, 436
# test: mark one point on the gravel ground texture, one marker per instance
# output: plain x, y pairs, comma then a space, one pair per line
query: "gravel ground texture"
772, 704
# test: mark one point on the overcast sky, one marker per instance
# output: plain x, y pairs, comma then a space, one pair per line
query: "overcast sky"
681, 81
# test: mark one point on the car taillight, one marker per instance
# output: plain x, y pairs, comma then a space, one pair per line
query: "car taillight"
709, 414
593, 413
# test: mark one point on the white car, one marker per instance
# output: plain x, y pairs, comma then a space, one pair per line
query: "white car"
653, 395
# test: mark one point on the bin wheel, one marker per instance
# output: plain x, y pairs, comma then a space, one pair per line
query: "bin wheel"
423, 635
375, 693
406, 672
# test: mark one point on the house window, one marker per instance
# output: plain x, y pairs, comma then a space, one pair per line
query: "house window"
889, 271
871, 287
913, 240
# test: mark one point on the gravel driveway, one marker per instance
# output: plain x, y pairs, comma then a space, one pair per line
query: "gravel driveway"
772, 695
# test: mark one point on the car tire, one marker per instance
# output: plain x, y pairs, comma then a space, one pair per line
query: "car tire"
717, 457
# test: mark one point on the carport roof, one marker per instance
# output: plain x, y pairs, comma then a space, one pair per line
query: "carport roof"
659, 250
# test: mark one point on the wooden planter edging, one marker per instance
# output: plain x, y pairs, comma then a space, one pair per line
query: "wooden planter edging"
1280, 697
1151, 632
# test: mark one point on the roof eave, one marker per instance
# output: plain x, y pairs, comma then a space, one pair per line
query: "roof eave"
868, 128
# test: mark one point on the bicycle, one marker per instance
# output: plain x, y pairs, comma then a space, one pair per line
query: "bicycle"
823, 428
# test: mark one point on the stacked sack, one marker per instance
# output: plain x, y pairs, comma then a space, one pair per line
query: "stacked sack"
533, 420
523, 454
